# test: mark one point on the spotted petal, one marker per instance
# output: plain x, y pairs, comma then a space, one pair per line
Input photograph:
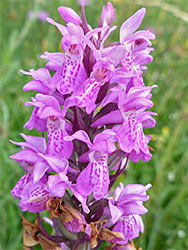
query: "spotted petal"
56, 143
18, 188
94, 178
129, 227
70, 74
34, 197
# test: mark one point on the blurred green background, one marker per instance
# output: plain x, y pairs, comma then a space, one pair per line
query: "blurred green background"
23, 40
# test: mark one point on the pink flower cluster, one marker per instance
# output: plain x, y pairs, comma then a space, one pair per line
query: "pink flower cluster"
91, 107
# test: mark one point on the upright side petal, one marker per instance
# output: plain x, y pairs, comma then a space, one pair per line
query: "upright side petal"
69, 15
131, 24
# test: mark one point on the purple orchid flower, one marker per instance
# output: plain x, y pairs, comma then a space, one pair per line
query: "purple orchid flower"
137, 54
33, 196
42, 81
86, 94
47, 110
129, 226
103, 71
34, 154
133, 117
128, 201
95, 177
72, 73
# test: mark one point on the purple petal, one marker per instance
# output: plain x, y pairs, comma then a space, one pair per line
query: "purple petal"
40, 169
95, 177
118, 191
71, 74
109, 12
83, 182
112, 117
34, 197
131, 24
36, 122
48, 111
18, 188
69, 15
36, 86
80, 197
55, 60
38, 142
79, 135
57, 184
58, 164
128, 226
56, 143
104, 146
136, 189
139, 222
116, 212
60, 27
25, 155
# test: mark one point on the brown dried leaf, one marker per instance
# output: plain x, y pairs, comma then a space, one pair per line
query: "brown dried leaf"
33, 236
102, 233
108, 235
28, 229
47, 244
54, 206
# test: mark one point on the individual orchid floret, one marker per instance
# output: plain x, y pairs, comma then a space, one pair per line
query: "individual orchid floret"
128, 201
106, 18
97, 180
130, 227
136, 45
140, 38
42, 80
33, 196
95, 177
103, 70
86, 94
72, 72
47, 110
133, 117
32, 146
36, 159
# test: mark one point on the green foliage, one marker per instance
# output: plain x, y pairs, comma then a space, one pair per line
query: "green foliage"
23, 41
